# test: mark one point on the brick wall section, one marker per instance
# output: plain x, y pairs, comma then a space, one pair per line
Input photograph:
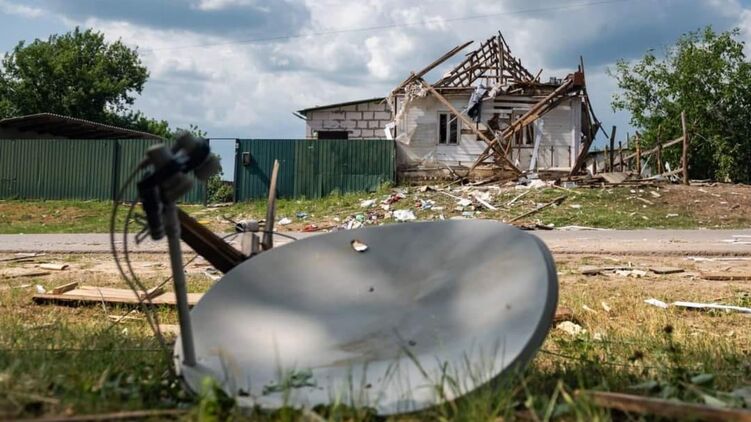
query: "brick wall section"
362, 121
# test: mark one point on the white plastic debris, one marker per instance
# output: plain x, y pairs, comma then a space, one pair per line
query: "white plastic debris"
284, 221
575, 206
359, 246
464, 202
656, 302
367, 203
671, 215
631, 273
570, 328
404, 215
40, 289
694, 305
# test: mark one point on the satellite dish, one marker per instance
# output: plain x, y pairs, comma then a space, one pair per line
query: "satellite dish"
376, 317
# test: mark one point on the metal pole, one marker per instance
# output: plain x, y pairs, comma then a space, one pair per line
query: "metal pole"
172, 230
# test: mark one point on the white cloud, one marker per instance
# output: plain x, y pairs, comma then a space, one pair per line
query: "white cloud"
20, 10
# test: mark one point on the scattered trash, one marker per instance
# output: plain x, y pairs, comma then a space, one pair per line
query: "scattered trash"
310, 228
468, 214
570, 328
575, 206
726, 276
284, 221
588, 309
671, 215
404, 215
367, 203
605, 306
301, 215
359, 246
655, 194
360, 218
40, 289
212, 273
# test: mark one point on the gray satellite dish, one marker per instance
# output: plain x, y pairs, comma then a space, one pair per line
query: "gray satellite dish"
325, 320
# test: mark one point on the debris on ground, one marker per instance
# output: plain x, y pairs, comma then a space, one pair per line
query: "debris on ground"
570, 328
404, 215
55, 267
285, 221
698, 306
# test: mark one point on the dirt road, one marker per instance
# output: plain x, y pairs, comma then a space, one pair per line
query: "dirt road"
623, 242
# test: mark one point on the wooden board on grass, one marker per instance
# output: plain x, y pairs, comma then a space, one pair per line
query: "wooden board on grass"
97, 295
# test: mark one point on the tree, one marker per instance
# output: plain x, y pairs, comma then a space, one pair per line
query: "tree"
77, 74
706, 75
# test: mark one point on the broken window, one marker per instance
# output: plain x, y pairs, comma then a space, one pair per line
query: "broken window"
525, 136
448, 129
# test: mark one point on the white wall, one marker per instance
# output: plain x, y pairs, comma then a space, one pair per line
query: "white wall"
418, 133
362, 121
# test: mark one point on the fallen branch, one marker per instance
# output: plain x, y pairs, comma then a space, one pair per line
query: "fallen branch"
664, 408
556, 201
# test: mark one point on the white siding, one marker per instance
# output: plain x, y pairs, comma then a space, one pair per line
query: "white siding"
418, 133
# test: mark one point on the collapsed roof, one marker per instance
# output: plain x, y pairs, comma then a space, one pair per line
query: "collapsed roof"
493, 66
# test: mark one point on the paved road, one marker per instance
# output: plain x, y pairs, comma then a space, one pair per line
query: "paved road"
619, 242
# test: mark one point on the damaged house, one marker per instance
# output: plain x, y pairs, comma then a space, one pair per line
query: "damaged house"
488, 112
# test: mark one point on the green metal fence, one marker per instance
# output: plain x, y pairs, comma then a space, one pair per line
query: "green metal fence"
73, 168
312, 168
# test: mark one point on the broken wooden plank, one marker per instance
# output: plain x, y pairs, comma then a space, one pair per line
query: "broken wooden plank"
556, 201
64, 288
55, 267
563, 313
29, 274
665, 408
97, 295
614, 177
726, 276
666, 270
123, 415
412, 77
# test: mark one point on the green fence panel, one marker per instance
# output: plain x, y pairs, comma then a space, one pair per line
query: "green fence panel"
73, 168
57, 168
318, 167
252, 179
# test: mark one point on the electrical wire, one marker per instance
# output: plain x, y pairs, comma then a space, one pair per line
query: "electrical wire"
389, 26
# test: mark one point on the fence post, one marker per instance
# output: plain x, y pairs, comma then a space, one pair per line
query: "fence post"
607, 160
611, 156
638, 157
620, 156
684, 156
659, 158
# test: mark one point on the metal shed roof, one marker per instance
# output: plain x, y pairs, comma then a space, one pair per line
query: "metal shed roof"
369, 100
71, 127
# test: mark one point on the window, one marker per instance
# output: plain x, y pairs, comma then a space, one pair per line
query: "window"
448, 129
333, 134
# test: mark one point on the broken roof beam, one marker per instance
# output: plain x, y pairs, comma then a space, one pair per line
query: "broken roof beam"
572, 81
495, 61
449, 54
499, 155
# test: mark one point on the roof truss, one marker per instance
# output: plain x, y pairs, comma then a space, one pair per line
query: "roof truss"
492, 61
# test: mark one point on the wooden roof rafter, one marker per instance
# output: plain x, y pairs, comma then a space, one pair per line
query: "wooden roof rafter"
492, 60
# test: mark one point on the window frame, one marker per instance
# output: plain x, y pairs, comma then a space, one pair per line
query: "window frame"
444, 134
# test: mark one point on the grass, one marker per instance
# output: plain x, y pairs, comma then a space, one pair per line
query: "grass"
667, 207
57, 360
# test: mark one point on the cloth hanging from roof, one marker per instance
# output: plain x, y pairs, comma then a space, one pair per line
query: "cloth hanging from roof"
474, 107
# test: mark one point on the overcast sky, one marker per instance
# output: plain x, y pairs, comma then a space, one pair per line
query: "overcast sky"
239, 68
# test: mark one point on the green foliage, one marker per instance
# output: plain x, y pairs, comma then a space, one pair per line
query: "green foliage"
218, 190
77, 74
706, 75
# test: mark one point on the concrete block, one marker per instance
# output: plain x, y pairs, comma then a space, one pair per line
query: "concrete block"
334, 115
362, 107
332, 124
374, 124
315, 124
362, 124
382, 115
349, 124
353, 115
352, 107
368, 133
354, 133
367, 115
383, 123
377, 106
